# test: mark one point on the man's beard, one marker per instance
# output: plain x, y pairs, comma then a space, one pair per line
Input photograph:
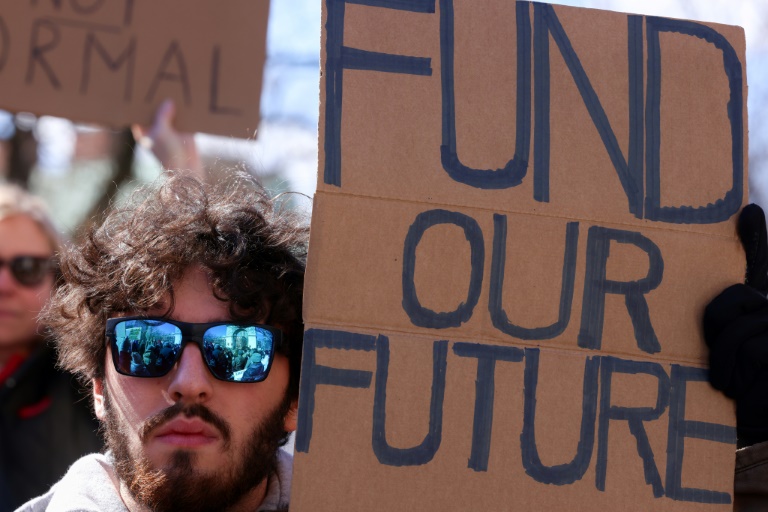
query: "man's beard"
180, 486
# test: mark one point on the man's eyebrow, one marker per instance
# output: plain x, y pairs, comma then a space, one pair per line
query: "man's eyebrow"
160, 308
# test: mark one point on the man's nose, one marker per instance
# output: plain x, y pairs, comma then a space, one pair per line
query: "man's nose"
191, 381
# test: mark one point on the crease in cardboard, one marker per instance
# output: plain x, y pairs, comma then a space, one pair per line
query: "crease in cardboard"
418, 337
644, 223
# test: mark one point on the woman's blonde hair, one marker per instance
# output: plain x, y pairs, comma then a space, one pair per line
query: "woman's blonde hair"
16, 201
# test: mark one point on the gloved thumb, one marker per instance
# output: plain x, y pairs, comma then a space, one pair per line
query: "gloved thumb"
755, 241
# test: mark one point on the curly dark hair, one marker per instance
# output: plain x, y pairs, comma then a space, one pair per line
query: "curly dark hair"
254, 250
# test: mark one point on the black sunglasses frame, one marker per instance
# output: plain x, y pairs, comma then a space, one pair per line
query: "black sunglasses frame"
190, 333
46, 263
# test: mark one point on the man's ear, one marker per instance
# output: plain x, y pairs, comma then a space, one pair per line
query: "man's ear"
291, 417
98, 398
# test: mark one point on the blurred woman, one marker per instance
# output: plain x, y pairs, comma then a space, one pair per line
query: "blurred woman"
45, 421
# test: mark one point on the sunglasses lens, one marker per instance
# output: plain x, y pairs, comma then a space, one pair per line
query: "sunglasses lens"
238, 353
30, 270
145, 348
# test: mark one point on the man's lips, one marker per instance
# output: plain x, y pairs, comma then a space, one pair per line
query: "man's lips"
188, 432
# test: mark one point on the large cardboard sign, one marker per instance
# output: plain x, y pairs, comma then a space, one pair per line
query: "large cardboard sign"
113, 61
522, 211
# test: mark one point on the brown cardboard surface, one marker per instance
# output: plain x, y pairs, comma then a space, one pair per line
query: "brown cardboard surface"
341, 471
404, 112
114, 62
367, 266
479, 340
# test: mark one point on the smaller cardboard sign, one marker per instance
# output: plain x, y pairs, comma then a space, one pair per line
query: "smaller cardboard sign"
113, 62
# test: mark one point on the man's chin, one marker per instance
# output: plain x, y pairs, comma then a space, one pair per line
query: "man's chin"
173, 482
216, 476
200, 460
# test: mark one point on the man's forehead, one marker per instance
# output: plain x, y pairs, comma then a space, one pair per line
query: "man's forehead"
194, 299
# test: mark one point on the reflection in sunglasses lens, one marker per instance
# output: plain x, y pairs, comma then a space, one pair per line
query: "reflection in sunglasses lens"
147, 348
238, 353
150, 348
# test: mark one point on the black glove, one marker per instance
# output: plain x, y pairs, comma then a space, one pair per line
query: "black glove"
736, 331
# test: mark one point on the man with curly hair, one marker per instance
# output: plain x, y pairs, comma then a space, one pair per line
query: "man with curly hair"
188, 269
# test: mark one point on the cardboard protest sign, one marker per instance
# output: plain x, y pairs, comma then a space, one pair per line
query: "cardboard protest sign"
522, 211
112, 62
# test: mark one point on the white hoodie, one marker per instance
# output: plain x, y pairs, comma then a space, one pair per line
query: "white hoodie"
91, 485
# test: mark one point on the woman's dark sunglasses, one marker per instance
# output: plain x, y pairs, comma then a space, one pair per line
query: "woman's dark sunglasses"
233, 352
29, 271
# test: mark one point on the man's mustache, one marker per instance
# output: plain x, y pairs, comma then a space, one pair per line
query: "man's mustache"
189, 411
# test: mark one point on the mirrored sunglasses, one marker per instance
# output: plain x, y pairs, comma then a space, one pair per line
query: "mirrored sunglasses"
233, 352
